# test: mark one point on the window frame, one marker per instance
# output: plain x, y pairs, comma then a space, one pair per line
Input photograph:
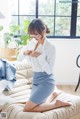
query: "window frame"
73, 23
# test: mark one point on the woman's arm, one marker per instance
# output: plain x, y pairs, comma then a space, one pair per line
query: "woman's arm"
26, 50
21, 55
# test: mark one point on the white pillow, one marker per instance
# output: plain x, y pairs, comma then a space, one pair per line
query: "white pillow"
4, 100
3, 84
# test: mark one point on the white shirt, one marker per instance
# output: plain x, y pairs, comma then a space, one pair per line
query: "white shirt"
45, 61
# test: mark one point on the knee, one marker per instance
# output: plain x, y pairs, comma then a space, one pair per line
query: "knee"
27, 109
29, 106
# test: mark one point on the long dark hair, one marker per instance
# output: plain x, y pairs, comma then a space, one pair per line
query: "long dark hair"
37, 25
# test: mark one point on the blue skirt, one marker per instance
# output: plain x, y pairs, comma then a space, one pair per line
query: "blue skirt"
42, 86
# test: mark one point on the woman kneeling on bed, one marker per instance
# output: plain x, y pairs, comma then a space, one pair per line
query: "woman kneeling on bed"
42, 58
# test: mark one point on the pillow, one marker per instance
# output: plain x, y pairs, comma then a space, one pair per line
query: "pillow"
3, 84
4, 100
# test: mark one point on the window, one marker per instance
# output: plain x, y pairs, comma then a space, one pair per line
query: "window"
78, 20
61, 16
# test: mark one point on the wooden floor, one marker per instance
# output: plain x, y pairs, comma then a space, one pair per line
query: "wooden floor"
69, 89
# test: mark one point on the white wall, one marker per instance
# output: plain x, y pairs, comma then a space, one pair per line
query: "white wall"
5, 10
65, 70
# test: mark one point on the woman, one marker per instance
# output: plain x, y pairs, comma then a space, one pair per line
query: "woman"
42, 58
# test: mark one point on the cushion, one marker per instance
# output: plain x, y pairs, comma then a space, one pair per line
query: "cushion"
23, 71
4, 100
16, 110
21, 93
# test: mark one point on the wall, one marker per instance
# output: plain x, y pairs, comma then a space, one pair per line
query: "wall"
5, 10
65, 70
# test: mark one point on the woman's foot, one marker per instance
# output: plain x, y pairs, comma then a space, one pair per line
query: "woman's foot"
60, 103
54, 95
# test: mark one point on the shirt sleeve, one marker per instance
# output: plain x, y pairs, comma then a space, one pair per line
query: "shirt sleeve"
47, 60
21, 55
30, 46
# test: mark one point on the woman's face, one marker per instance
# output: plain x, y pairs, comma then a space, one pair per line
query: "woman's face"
37, 36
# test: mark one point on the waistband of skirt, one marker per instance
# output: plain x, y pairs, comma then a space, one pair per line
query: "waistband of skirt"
41, 74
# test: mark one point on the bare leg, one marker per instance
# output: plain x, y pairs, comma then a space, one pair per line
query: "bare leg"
47, 106
55, 93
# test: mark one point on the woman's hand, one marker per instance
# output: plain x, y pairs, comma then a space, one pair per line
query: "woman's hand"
32, 53
35, 54
28, 52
